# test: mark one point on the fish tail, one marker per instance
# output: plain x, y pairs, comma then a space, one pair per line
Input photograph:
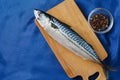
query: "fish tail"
107, 68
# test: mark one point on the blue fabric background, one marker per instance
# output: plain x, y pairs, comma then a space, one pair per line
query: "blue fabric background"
24, 53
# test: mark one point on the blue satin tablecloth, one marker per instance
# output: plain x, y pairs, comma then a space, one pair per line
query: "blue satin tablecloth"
24, 53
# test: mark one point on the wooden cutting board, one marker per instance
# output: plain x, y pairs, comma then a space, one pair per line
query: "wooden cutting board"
69, 13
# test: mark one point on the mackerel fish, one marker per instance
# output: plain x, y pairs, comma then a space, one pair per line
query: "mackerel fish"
67, 37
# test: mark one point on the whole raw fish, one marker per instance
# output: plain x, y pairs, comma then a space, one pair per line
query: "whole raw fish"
64, 35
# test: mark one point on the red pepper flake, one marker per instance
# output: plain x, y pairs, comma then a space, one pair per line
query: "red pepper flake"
99, 22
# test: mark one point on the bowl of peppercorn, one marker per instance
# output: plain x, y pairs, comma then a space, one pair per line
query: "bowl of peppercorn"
100, 20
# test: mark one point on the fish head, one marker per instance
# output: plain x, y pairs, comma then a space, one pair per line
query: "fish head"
44, 19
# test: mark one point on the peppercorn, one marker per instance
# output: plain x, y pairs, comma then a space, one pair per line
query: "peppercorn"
99, 22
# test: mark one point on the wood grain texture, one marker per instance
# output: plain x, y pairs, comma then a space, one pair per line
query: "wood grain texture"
69, 13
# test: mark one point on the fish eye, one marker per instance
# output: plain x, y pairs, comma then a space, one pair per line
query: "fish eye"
39, 14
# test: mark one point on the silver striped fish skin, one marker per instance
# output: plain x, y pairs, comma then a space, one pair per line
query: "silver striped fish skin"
62, 32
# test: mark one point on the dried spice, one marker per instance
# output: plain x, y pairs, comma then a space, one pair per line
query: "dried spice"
99, 22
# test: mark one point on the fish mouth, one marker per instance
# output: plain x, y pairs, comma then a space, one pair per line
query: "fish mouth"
37, 13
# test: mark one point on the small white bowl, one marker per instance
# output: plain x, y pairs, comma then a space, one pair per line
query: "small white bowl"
104, 12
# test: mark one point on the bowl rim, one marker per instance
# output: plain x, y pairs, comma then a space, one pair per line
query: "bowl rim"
111, 18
